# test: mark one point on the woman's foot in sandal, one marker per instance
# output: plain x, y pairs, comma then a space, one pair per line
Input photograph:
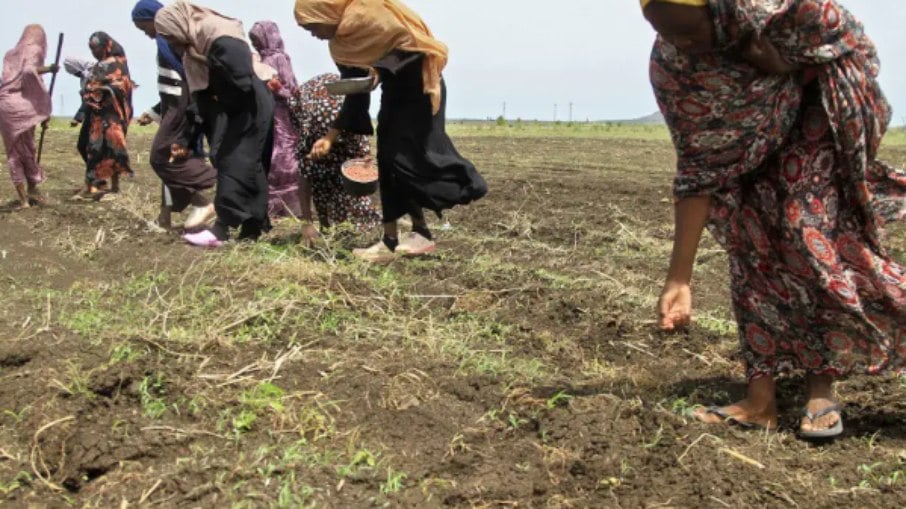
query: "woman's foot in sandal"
757, 411
742, 414
822, 420
204, 238
822, 416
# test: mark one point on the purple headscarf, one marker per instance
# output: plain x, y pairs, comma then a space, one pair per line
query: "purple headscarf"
267, 40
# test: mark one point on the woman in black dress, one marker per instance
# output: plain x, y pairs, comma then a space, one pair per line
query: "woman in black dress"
237, 111
419, 166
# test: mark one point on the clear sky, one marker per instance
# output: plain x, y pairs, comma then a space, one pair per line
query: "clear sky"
530, 54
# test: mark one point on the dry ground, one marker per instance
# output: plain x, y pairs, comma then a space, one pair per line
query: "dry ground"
517, 368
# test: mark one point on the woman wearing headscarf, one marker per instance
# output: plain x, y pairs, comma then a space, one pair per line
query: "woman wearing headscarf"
776, 114
24, 103
237, 111
283, 179
419, 166
108, 95
184, 180
313, 112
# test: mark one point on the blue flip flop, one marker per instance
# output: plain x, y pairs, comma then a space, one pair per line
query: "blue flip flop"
824, 434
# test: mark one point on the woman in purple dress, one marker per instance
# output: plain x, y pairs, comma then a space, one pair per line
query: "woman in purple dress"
283, 180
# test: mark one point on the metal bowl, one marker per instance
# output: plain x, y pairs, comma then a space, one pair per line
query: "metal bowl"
357, 187
350, 86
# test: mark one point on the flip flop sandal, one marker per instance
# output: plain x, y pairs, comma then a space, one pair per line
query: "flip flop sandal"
823, 434
204, 238
729, 419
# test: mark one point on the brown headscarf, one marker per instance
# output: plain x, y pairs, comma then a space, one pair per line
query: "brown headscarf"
367, 30
198, 28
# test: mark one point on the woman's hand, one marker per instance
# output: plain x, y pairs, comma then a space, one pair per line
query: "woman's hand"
178, 152
675, 306
144, 119
375, 78
761, 53
310, 234
321, 149
274, 85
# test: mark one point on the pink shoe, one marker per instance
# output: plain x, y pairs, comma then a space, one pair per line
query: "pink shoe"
204, 238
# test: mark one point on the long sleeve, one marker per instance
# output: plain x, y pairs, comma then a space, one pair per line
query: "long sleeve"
354, 116
395, 61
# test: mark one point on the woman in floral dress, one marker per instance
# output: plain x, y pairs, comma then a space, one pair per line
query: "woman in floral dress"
777, 116
313, 112
108, 95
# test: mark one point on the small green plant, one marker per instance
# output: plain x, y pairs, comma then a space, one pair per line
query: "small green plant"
559, 399
394, 482
21, 479
244, 422
515, 421
124, 352
264, 395
363, 458
151, 392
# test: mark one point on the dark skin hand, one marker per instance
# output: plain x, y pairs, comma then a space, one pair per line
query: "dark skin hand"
178, 152
52, 68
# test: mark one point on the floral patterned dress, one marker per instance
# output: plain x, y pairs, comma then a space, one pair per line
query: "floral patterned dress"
313, 111
108, 95
799, 199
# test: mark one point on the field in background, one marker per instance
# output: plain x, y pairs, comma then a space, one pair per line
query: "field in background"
518, 367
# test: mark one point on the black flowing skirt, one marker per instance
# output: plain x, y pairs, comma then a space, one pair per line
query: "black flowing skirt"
417, 162
238, 113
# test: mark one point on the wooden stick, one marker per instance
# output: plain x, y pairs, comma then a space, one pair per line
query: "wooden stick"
53, 82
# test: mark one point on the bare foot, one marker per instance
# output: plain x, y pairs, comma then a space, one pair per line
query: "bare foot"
743, 413
825, 422
37, 199
23, 205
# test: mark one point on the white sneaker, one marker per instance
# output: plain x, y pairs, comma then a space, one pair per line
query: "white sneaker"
414, 244
378, 253
199, 216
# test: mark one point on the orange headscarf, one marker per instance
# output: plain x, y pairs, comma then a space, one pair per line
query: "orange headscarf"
367, 30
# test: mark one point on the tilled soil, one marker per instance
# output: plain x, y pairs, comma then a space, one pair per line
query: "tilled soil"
518, 367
